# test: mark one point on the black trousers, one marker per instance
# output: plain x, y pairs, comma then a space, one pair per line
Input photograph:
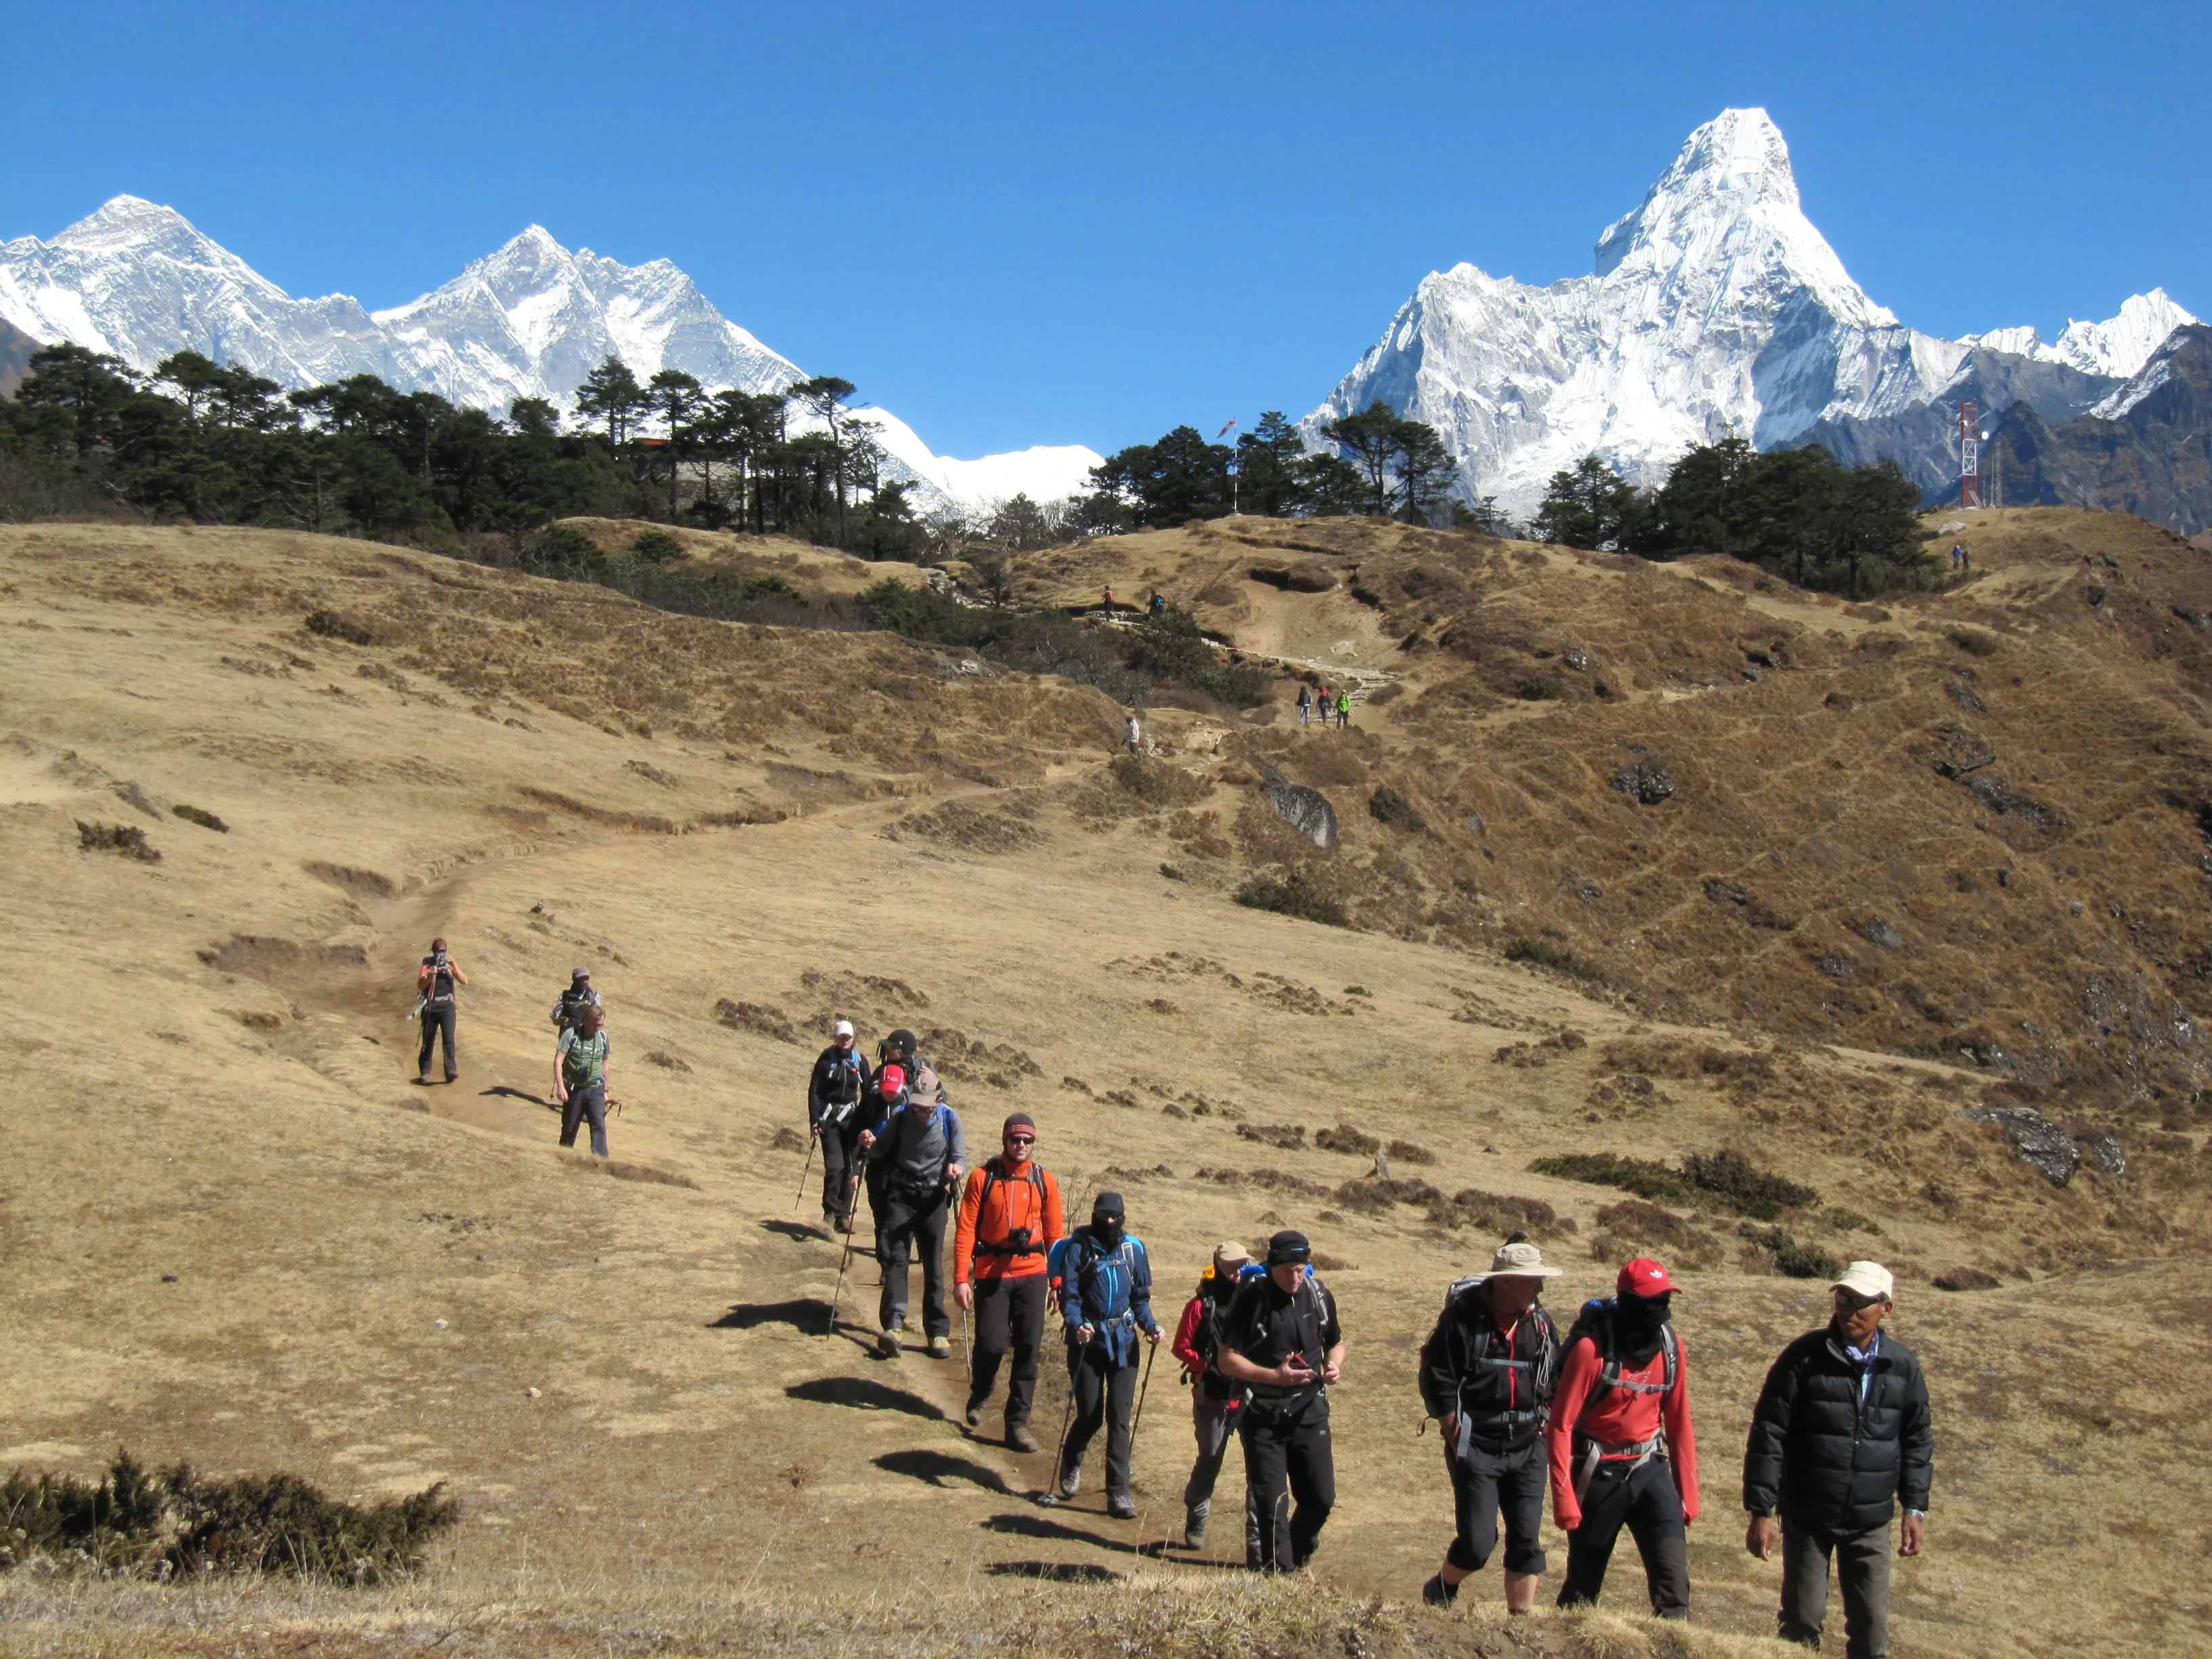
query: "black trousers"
1644, 1499
1104, 1392
1009, 1314
1485, 1483
911, 1225
841, 1167
1287, 1457
586, 1104
439, 1020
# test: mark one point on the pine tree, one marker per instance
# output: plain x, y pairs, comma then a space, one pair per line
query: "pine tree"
1592, 506
824, 397
1427, 474
1267, 456
1371, 439
611, 395
675, 397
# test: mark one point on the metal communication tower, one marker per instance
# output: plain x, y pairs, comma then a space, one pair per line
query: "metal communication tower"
1970, 456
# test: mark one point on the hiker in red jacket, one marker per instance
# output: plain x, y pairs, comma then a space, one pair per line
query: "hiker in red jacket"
1626, 1377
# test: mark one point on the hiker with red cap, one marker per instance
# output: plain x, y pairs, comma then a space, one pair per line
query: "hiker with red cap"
1010, 1216
1621, 1446
1487, 1373
1215, 1400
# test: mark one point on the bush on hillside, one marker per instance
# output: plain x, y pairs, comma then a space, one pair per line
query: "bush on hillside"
127, 839
657, 547
1791, 1258
1386, 805
328, 624
1549, 956
1736, 1181
202, 816
136, 1522
1292, 896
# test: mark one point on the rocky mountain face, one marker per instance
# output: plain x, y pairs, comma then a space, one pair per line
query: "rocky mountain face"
2145, 448
1715, 308
16, 349
530, 321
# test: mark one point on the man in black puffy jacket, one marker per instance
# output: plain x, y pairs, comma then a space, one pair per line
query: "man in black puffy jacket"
1840, 1438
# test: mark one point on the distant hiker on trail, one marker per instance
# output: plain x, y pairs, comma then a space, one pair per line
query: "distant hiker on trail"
1216, 1402
1343, 708
1324, 704
1283, 1340
434, 982
1305, 704
1136, 735
1010, 1218
1109, 598
1840, 1437
835, 1089
579, 996
1957, 560
1159, 604
1626, 1374
1105, 1299
1487, 1373
923, 1155
580, 1080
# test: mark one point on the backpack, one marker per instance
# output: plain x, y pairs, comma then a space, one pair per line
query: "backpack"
441, 988
991, 1176
1206, 1336
1596, 1322
842, 1087
1544, 1373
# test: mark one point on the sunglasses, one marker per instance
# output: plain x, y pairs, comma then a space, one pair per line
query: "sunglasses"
1021, 1140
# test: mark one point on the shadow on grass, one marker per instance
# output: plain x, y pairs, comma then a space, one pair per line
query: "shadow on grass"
864, 1393
1018, 1525
505, 1093
1056, 1572
942, 1469
804, 1313
799, 1230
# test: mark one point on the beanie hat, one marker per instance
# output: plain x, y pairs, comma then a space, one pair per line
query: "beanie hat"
1014, 1118
1288, 1245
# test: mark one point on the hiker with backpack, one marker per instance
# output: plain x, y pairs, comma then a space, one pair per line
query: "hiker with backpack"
1010, 1218
900, 1050
569, 1007
434, 983
835, 1089
1487, 1374
1305, 704
1622, 1449
1215, 1401
923, 1154
1343, 708
1839, 1440
1283, 1340
580, 1080
1105, 1300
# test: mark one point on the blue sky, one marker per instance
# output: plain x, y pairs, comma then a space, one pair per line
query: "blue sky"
1050, 223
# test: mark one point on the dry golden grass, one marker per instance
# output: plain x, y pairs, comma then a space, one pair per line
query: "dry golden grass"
232, 1227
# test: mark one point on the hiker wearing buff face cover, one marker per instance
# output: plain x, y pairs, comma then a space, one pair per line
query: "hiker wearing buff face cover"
1840, 1438
1622, 1449
1106, 1299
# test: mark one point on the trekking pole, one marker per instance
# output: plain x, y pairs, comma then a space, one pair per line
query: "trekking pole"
803, 1168
1138, 1416
967, 1350
852, 1221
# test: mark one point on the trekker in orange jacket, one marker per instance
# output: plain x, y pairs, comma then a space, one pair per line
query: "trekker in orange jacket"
1010, 1216
1626, 1375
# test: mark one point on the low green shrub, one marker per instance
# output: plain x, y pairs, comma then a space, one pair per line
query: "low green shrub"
1643, 1177
134, 1521
1549, 956
328, 624
127, 839
657, 547
1744, 1187
202, 816
1387, 806
1292, 896
1791, 1258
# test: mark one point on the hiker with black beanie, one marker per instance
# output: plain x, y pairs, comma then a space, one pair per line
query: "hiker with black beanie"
1622, 1449
835, 1088
1487, 1374
1839, 1439
1010, 1218
1105, 1300
1216, 1403
1282, 1339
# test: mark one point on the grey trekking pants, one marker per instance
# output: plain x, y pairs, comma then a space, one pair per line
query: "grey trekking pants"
1216, 1422
1862, 1568
588, 1103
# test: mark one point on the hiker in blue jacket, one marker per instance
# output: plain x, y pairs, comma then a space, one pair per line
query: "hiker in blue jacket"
1105, 1299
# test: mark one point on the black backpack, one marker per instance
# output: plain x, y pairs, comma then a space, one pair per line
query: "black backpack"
1544, 1373
1206, 1342
1596, 1322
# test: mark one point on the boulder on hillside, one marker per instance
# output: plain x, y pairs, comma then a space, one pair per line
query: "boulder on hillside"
2054, 1152
1647, 780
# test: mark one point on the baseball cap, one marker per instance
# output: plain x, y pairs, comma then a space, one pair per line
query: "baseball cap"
892, 1081
843, 1028
1106, 1204
1869, 1279
1644, 1277
1288, 1245
580, 972
1228, 1257
924, 1082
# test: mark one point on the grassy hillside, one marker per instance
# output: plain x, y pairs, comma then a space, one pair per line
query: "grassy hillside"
237, 1234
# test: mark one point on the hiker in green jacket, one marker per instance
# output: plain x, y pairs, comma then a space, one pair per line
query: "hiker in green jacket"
580, 1080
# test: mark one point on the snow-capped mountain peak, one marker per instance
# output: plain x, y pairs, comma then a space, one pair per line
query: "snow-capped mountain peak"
530, 319
2119, 346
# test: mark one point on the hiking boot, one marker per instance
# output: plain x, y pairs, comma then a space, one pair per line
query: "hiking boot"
1438, 1594
887, 1344
1119, 1508
1194, 1532
1070, 1479
1019, 1437
974, 1414
940, 1347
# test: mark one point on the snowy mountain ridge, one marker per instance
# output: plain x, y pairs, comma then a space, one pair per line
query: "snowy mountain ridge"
529, 321
1715, 308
